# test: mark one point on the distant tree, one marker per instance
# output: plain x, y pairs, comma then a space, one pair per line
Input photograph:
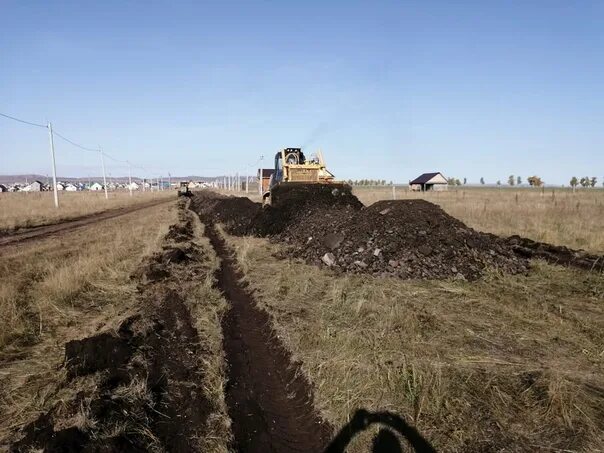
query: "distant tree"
511, 180
594, 181
518, 180
498, 182
574, 182
451, 181
534, 181
465, 181
585, 182
481, 180
457, 182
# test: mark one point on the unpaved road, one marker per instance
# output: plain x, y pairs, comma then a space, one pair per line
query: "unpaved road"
269, 400
39, 232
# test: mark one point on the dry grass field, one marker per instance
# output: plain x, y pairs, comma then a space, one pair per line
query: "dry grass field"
508, 363
556, 216
23, 209
504, 363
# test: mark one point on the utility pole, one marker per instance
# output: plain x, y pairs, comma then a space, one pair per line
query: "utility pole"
54, 166
104, 177
247, 183
169, 181
129, 178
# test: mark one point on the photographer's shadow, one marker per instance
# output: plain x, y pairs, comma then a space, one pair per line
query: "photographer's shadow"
385, 441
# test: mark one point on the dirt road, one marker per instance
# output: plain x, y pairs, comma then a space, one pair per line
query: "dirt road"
39, 232
269, 401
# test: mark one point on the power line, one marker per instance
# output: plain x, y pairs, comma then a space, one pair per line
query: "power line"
114, 159
23, 121
74, 143
77, 145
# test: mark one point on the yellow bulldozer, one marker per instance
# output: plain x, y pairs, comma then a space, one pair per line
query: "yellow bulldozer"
294, 171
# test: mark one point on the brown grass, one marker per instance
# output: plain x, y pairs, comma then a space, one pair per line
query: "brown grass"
58, 289
508, 363
23, 209
557, 216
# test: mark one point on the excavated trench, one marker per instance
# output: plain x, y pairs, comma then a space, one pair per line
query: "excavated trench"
269, 400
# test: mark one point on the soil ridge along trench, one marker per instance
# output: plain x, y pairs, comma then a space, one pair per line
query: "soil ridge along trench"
269, 400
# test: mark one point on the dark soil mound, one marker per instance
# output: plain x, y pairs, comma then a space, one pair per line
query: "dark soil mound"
405, 238
236, 213
294, 204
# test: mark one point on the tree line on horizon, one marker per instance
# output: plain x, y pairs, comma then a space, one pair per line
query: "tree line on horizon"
513, 180
533, 181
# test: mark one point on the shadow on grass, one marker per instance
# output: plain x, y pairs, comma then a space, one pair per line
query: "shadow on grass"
385, 440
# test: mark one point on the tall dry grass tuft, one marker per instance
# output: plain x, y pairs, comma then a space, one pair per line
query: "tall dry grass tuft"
23, 209
557, 216
508, 362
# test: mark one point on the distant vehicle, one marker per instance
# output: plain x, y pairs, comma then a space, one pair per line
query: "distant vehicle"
183, 189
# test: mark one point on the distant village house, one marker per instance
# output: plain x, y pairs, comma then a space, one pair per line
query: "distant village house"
96, 187
429, 181
35, 186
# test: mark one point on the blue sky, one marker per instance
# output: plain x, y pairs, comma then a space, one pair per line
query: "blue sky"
387, 89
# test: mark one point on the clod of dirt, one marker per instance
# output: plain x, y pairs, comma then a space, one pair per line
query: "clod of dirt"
41, 435
104, 351
96, 353
174, 255
180, 232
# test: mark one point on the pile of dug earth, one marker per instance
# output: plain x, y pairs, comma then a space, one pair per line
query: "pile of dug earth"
404, 238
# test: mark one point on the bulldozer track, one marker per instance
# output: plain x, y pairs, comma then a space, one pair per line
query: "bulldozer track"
269, 400
55, 229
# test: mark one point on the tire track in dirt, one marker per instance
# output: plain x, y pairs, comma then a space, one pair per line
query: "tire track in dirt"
269, 400
55, 229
